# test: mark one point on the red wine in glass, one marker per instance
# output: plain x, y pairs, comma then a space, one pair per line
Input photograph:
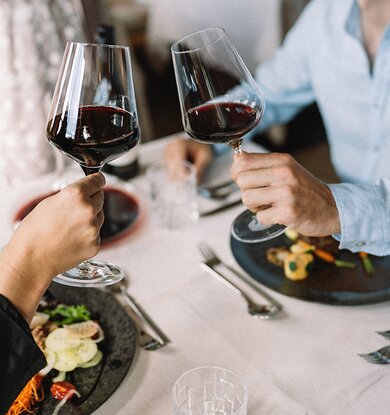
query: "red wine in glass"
220, 122
93, 120
220, 103
101, 134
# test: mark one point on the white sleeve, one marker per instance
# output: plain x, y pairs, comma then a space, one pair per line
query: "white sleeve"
364, 211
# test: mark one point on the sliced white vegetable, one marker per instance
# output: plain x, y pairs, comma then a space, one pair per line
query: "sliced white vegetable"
82, 330
93, 362
64, 399
66, 361
50, 359
39, 319
85, 351
60, 377
59, 340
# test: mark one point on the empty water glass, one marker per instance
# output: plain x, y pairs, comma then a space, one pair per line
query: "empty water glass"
209, 390
173, 194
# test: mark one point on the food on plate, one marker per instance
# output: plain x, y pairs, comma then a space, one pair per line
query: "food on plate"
62, 391
291, 234
28, 397
367, 264
299, 257
298, 265
69, 339
277, 255
326, 256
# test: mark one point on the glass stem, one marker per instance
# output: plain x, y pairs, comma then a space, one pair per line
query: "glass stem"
236, 146
90, 170
86, 270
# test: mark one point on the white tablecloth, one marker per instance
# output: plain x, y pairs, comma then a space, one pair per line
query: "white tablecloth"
303, 362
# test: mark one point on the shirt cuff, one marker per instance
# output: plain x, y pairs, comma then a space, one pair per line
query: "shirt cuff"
364, 223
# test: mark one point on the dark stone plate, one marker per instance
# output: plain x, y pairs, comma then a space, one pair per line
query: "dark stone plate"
326, 283
96, 384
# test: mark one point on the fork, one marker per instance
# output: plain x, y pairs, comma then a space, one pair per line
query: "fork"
213, 259
145, 340
385, 334
263, 311
380, 357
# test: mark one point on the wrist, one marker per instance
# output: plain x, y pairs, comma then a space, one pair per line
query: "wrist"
23, 279
333, 218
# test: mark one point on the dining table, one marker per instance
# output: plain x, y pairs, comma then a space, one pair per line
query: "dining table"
304, 360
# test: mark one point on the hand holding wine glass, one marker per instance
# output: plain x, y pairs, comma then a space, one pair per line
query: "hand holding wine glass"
220, 103
93, 120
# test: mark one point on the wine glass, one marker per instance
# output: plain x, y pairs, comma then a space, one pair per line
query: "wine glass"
220, 103
93, 120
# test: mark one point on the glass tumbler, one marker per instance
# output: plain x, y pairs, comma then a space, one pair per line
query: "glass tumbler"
209, 390
173, 194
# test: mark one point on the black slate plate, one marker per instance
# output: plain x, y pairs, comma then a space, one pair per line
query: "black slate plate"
96, 384
326, 283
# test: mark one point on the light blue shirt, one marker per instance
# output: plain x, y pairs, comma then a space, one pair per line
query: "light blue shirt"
323, 60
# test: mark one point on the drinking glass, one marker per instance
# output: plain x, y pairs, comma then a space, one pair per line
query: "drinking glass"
220, 102
173, 194
93, 120
209, 390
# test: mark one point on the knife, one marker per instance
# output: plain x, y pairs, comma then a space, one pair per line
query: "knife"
220, 208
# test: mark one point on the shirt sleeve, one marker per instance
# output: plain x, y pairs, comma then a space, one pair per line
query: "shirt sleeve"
20, 357
364, 211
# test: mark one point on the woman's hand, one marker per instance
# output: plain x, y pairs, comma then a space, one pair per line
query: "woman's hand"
62, 231
281, 191
199, 154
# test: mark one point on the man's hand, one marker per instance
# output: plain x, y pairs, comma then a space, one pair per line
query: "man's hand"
281, 191
197, 153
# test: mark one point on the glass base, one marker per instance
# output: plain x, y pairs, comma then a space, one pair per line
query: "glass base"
245, 228
91, 274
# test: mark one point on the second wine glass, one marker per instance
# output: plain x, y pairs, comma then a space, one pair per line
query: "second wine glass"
93, 119
220, 103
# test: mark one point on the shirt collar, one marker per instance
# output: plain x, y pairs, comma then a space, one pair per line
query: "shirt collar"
352, 23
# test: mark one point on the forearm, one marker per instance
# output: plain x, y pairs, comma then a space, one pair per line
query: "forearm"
23, 281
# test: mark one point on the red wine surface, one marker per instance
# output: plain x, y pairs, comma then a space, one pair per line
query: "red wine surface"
98, 135
220, 122
121, 212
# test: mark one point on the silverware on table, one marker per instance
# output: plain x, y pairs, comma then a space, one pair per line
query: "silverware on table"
385, 334
263, 311
220, 191
221, 208
145, 340
380, 356
213, 259
151, 337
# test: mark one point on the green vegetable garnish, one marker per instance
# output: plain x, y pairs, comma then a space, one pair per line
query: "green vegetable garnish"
71, 314
344, 264
292, 265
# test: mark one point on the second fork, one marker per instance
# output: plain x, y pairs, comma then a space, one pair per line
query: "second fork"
212, 258
380, 356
